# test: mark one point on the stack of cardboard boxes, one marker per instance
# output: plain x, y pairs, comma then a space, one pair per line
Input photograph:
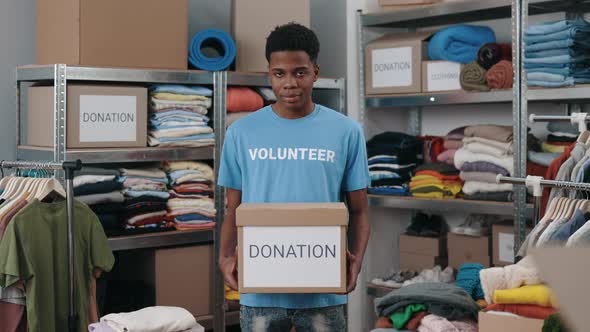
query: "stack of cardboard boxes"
398, 63
418, 252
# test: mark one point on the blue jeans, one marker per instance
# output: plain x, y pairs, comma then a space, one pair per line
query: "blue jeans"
326, 319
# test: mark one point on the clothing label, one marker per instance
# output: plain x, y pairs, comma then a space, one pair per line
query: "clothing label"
506, 247
443, 76
108, 118
392, 67
295, 256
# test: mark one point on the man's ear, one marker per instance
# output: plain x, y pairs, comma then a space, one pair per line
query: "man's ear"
316, 71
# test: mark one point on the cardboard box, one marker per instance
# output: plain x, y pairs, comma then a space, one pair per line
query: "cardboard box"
468, 249
494, 323
394, 63
292, 247
503, 244
416, 262
182, 277
423, 245
97, 116
566, 271
250, 31
441, 76
113, 33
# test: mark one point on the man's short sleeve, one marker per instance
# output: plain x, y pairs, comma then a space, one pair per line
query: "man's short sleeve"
14, 265
102, 255
230, 173
356, 174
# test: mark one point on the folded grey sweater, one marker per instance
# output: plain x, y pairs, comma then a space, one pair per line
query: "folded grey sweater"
445, 300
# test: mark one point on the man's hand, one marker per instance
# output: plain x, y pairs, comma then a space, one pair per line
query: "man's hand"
229, 268
353, 269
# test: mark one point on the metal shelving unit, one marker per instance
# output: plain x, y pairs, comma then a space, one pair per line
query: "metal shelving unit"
463, 12
445, 205
60, 76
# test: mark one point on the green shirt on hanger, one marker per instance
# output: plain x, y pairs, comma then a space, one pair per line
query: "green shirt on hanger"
35, 249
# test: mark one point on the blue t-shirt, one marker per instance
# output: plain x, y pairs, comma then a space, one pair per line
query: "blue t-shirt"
311, 159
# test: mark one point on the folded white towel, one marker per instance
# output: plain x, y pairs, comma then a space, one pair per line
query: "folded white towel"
472, 187
180, 132
152, 319
477, 147
88, 179
149, 172
463, 156
153, 141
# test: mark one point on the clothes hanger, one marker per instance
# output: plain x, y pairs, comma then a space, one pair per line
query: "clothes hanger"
583, 137
558, 208
12, 187
52, 186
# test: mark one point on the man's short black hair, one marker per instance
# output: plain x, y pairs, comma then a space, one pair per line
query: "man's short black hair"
293, 37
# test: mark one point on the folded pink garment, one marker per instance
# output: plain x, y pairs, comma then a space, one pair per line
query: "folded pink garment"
448, 156
434, 323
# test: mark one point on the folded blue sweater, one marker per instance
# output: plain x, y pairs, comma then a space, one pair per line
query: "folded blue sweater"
459, 43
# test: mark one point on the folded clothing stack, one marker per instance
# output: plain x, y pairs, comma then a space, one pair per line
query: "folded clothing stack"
100, 189
487, 151
436, 180
557, 53
178, 116
459, 43
561, 135
429, 307
517, 289
150, 319
191, 204
452, 142
242, 101
393, 157
146, 196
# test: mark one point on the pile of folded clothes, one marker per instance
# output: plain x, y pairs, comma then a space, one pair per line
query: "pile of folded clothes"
146, 196
406, 277
436, 180
242, 101
150, 319
487, 151
517, 289
432, 147
178, 116
427, 307
452, 142
459, 43
393, 157
561, 135
557, 53
100, 189
191, 204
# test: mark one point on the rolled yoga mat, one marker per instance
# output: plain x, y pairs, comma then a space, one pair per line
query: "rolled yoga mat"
491, 53
500, 76
473, 78
218, 40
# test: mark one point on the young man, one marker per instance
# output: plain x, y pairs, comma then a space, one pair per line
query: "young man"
297, 130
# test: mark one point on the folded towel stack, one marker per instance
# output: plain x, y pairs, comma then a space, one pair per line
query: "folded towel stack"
459, 43
178, 116
487, 152
242, 101
191, 204
100, 189
557, 53
392, 159
146, 196
436, 180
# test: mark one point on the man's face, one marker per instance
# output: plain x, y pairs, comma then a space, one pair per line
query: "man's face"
292, 76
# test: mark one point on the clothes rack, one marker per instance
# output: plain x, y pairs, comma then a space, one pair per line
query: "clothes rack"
537, 183
68, 167
579, 118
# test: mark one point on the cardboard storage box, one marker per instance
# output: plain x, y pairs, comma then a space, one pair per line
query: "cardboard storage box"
97, 116
418, 253
113, 33
468, 249
394, 63
494, 323
292, 247
250, 31
182, 277
441, 76
503, 244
